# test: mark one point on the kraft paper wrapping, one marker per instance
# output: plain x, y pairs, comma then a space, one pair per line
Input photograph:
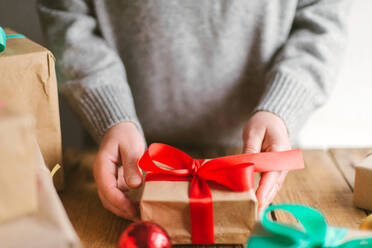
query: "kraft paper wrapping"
28, 83
48, 226
17, 166
167, 204
363, 184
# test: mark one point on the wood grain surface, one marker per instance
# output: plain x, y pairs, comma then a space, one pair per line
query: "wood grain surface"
321, 185
346, 159
325, 184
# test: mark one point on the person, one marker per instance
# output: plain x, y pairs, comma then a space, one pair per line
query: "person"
192, 73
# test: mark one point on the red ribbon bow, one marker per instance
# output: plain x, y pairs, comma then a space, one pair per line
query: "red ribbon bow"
234, 172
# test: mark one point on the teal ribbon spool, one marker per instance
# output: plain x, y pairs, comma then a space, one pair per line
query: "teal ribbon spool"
315, 234
4, 37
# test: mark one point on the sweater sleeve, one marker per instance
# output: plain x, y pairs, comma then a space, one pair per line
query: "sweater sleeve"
304, 70
91, 74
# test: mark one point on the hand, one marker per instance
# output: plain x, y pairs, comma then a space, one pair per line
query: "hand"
266, 132
115, 168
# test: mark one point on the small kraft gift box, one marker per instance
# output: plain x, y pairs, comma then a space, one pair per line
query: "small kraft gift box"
28, 83
31, 214
363, 184
205, 201
311, 231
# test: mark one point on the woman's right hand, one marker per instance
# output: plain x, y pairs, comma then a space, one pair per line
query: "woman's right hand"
116, 170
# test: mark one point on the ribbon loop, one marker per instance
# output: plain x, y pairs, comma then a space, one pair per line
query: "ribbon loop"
315, 227
2, 39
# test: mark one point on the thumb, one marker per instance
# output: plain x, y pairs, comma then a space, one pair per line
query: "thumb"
132, 173
252, 141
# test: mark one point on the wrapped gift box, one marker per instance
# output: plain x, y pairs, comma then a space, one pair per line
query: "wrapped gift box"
206, 201
28, 83
167, 203
363, 184
17, 165
31, 214
48, 226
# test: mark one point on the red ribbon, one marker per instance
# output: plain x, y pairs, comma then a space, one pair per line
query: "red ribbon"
234, 172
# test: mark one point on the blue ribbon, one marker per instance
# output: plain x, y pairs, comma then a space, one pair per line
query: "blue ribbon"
4, 37
315, 234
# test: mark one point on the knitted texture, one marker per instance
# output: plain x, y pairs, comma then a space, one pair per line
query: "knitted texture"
193, 72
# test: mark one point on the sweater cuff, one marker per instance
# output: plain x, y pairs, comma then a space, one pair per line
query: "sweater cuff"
101, 108
290, 99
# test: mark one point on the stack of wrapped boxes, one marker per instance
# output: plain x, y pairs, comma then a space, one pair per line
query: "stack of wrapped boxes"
31, 213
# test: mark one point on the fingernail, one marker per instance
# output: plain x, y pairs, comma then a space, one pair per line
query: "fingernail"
134, 181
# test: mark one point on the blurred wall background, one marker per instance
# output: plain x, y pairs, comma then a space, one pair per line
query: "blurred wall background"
345, 121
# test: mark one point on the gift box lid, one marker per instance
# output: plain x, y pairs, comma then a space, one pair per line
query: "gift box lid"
366, 163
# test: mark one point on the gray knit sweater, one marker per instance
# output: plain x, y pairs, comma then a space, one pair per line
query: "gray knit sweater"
192, 72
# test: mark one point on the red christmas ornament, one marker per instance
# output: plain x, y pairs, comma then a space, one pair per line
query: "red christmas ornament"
144, 235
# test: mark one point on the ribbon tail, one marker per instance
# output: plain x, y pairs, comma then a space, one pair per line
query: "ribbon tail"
201, 212
15, 36
278, 161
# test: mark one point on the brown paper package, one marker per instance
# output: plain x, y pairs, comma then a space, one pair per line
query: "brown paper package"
17, 165
28, 83
37, 218
363, 184
167, 204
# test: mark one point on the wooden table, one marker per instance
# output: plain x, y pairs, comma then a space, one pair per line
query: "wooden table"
326, 184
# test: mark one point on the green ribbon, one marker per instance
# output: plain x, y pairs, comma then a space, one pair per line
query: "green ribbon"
315, 234
3, 38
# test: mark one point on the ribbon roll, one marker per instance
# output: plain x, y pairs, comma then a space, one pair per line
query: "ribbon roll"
315, 233
4, 37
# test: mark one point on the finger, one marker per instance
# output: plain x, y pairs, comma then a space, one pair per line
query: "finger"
122, 185
281, 179
267, 184
116, 199
105, 173
270, 184
132, 173
252, 141
119, 212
